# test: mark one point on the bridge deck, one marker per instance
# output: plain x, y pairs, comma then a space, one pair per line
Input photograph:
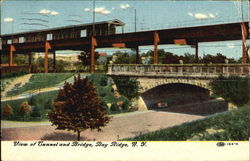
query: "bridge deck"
191, 35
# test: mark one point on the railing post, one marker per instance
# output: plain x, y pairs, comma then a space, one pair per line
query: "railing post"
110, 69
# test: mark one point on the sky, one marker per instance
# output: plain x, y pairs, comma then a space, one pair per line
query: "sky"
20, 16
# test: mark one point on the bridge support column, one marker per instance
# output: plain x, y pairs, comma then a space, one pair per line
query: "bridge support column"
245, 57
137, 57
46, 57
30, 58
92, 54
156, 41
12, 49
54, 60
196, 53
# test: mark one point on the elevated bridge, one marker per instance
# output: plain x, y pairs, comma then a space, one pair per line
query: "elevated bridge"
81, 37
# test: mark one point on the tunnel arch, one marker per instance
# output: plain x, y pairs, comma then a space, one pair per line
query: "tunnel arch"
173, 95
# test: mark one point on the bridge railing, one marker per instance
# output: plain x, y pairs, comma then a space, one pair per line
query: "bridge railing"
207, 70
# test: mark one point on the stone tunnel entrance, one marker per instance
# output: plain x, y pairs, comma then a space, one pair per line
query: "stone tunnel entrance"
183, 98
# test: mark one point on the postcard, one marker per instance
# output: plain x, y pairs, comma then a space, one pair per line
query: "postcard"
125, 80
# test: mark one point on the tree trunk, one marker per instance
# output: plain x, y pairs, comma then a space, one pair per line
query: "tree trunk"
78, 135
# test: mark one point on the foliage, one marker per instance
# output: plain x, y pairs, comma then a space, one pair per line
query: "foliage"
38, 65
232, 125
124, 58
36, 112
13, 74
7, 111
24, 109
233, 89
38, 100
18, 59
32, 101
127, 87
126, 104
104, 81
219, 58
78, 107
48, 104
171, 58
114, 107
41, 80
85, 58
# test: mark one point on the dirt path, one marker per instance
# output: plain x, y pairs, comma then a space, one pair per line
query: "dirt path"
121, 126
22, 80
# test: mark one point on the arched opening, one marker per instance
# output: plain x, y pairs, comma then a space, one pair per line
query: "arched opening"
183, 98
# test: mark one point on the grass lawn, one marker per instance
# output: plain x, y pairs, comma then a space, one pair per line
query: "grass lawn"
41, 80
231, 125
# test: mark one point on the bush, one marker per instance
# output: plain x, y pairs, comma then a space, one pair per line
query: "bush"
126, 104
48, 104
13, 74
24, 109
127, 87
32, 101
104, 81
233, 89
114, 107
36, 112
7, 111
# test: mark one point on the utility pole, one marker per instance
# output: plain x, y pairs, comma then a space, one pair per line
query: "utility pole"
135, 19
93, 32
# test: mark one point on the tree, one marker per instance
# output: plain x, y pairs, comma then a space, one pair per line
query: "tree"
77, 108
127, 87
124, 58
84, 57
7, 111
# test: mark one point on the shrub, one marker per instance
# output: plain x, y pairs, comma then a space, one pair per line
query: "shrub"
126, 104
14, 74
127, 87
233, 89
114, 107
104, 81
24, 109
32, 101
36, 112
48, 104
7, 111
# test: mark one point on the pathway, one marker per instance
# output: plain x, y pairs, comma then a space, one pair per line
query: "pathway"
121, 126
19, 80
